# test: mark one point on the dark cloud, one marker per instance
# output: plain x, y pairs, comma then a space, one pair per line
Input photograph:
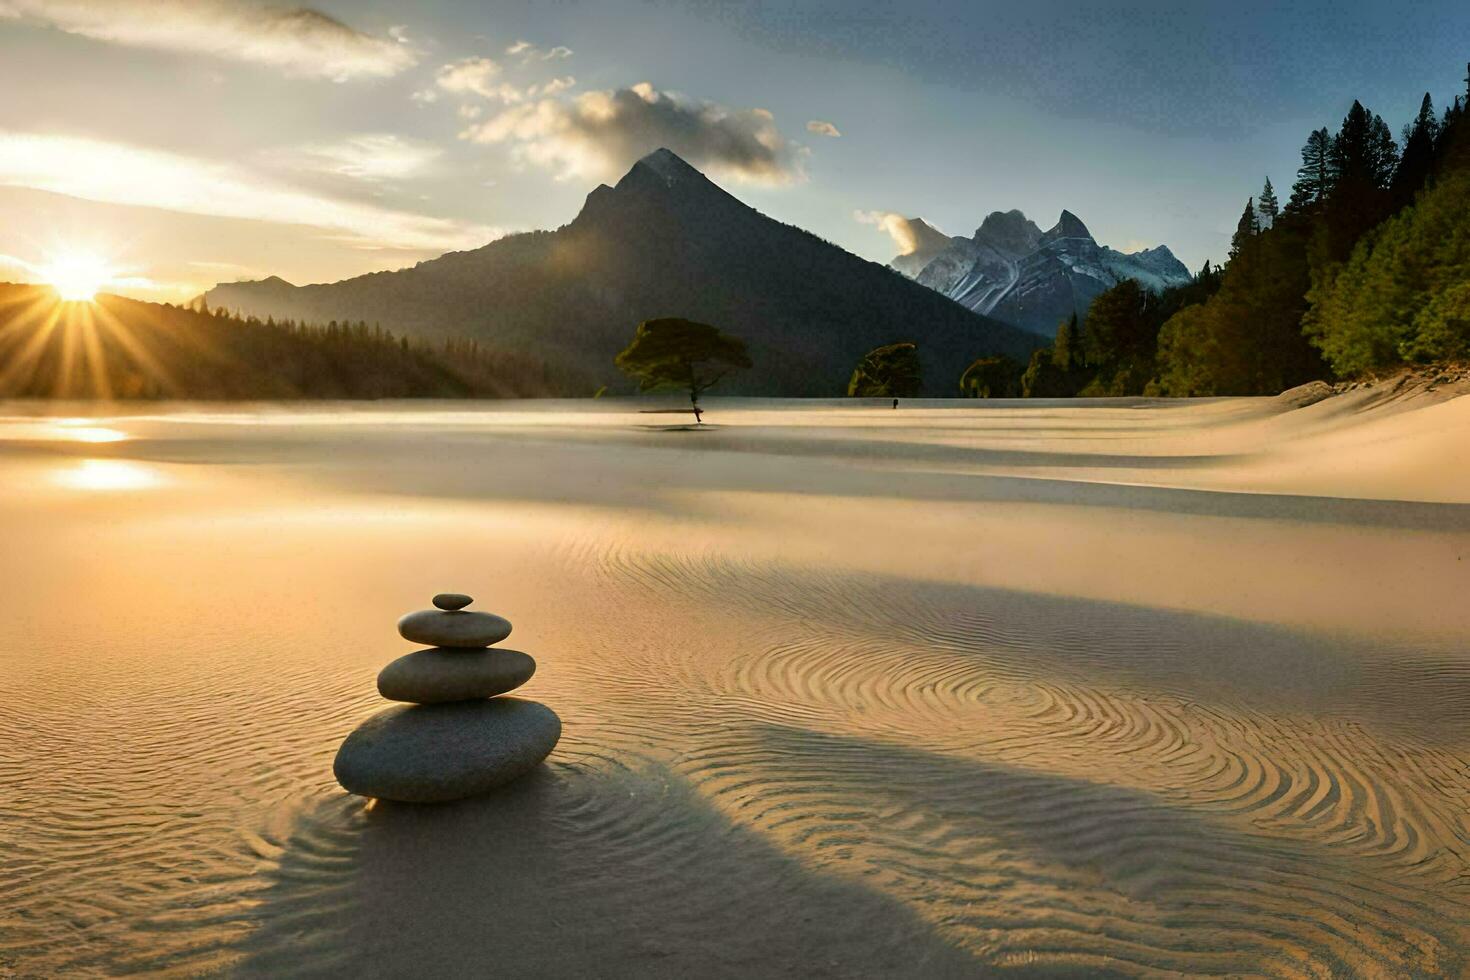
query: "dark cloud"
600, 134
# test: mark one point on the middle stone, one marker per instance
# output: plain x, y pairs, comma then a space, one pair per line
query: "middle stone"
435, 628
434, 676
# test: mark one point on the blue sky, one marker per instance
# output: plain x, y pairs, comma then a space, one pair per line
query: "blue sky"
211, 140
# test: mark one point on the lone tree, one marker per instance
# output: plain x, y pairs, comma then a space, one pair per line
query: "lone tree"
675, 353
993, 377
888, 372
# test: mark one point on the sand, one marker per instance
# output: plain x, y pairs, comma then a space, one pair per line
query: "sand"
1126, 688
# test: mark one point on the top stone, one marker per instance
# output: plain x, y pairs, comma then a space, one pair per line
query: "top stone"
463, 629
452, 601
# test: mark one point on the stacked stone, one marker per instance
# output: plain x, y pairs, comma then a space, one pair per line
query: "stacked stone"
455, 737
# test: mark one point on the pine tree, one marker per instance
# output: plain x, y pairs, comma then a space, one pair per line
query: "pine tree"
1420, 140
1268, 209
1315, 177
1245, 228
1363, 152
1350, 153
1383, 153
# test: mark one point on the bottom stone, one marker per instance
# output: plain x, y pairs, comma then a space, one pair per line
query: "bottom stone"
434, 753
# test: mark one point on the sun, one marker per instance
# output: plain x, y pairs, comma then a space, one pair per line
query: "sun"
77, 276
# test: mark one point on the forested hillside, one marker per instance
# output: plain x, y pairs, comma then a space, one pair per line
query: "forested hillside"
122, 348
1366, 267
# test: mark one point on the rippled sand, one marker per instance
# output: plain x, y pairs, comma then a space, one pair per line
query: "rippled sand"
1029, 689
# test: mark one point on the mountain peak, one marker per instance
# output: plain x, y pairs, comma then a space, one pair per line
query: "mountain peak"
667, 164
1013, 272
1068, 226
1009, 231
661, 180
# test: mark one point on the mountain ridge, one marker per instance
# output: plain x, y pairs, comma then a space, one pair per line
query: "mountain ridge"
663, 241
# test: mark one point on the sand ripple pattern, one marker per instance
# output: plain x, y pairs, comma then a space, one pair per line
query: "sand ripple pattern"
1087, 795
1041, 783
101, 827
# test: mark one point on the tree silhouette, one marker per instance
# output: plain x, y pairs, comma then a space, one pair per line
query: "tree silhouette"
1245, 228
1268, 209
1363, 151
891, 371
1314, 178
991, 377
1420, 141
674, 353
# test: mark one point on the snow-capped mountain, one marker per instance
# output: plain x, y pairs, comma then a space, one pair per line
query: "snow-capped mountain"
1015, 272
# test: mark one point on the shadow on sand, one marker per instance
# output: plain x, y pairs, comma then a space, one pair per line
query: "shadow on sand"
583, 873
572, 873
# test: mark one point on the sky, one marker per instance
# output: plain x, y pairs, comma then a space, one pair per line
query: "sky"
189, 142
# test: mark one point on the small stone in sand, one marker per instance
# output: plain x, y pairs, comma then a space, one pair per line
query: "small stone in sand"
452, 601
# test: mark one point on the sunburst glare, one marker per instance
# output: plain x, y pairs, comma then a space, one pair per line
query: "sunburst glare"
77, 276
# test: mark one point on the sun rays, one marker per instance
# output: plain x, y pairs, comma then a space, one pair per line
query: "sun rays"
52, 346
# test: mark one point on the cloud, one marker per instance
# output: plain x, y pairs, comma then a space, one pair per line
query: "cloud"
468, 76
600, 134
527, 52
368, 156
296, 40
553, 87
116, 173
822, 128
910, 235
477, 76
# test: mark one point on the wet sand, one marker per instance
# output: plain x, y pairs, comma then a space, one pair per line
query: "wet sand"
1123, 688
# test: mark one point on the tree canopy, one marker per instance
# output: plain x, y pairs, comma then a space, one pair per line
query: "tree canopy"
1363, 269
675, 353
891, 371
991, 377
1404, 293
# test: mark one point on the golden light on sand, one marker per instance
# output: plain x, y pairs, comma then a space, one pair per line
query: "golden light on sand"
77, 276
108, 474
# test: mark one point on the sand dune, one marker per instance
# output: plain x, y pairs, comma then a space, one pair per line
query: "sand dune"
1125, 688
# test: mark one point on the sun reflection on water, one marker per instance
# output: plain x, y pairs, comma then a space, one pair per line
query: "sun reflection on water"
92, 433
61, 430
108, 474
